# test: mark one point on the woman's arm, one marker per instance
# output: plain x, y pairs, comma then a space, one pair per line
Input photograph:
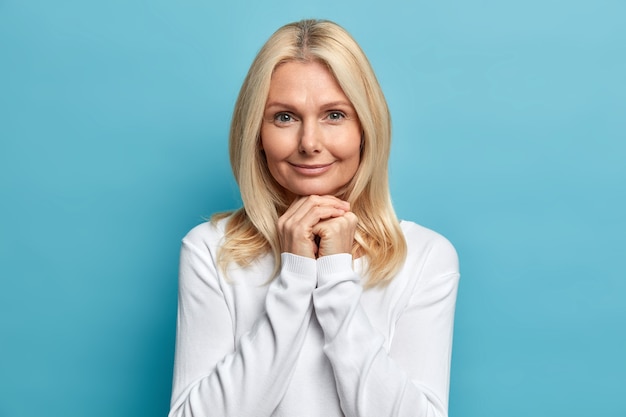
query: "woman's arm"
212, 375
412, 379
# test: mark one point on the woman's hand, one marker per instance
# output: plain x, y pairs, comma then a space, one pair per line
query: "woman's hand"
315, 226
336, 235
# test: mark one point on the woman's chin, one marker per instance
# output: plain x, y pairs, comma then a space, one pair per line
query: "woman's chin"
315, 187
305, 192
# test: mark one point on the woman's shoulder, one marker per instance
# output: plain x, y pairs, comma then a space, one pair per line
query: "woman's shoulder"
430, 246
207, 234
417, 234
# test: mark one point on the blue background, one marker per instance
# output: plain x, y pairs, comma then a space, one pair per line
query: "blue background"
509, 138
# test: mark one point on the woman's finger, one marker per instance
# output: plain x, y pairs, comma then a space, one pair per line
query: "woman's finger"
295, 226
336, 235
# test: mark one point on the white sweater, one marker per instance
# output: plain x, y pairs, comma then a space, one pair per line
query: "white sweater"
313, 342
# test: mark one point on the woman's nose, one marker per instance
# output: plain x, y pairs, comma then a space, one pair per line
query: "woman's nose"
310, 139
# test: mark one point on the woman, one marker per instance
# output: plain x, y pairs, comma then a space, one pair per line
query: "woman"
313, 299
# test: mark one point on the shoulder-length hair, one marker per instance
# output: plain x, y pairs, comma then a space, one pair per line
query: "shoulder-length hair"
251, 231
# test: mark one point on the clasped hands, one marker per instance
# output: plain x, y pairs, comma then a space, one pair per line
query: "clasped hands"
316, 226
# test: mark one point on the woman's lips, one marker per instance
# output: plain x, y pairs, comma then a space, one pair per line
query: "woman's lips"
312, 169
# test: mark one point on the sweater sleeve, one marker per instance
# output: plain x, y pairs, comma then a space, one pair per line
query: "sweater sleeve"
213, 376
412, 379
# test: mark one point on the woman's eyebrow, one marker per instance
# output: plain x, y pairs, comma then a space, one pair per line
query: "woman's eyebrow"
338, 103
331, 104
272, 104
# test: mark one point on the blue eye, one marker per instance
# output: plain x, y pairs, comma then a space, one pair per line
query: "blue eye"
283, 118
336, 115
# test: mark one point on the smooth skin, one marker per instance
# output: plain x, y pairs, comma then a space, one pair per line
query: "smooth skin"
311, 137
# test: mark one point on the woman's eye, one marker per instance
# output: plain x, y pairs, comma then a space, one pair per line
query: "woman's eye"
336, 115
283, 118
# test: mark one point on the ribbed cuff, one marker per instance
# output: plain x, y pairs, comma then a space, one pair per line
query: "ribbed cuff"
299, 265
335, 268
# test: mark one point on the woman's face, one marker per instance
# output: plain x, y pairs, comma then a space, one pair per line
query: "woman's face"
310, 133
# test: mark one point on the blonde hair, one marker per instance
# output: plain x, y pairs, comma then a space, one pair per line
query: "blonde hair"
251, 231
